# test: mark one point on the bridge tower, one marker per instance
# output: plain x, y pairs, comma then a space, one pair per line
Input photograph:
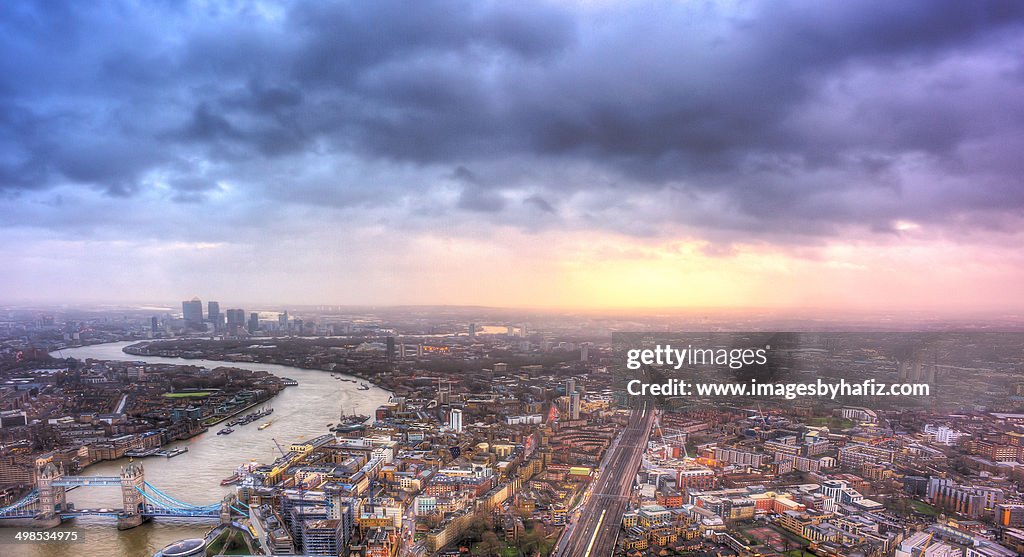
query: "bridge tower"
225, 509
133, 483
51, 497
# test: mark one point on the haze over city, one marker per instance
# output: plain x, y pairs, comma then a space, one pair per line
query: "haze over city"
853, 156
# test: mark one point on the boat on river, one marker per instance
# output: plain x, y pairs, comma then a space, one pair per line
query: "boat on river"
240, 473
350, 423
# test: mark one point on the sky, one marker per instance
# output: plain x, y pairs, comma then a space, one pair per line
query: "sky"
844, 155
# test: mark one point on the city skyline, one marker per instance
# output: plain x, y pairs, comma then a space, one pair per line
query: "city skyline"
856, 157
395, 433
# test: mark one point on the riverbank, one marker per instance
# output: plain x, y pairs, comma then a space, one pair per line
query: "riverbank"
142, 348
226, 417
300, 413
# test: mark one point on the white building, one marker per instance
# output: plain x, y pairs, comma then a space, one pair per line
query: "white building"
943, 434
456, 420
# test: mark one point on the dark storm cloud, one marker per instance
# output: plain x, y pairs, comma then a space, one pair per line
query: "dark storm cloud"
341, 40
787, 118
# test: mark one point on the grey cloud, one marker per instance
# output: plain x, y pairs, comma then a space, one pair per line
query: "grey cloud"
208, 125
779, 118
539, 203
475, 195
191, 189
341, 40
478, 199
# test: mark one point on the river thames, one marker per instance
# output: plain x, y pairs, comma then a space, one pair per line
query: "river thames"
300, 412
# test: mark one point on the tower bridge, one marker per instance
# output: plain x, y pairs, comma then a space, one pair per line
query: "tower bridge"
46, 505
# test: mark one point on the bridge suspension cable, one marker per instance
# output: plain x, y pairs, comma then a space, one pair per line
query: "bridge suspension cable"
153, 490
31, 498
159, 498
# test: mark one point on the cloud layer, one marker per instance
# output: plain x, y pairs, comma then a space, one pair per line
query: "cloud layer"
790, 126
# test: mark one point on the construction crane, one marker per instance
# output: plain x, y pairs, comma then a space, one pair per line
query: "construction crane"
278, 445
682, 443
927, 542
659, 432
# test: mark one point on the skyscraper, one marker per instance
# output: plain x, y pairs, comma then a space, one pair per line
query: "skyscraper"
236, 318
389, 356
456, 420
472, 329
254, 322
574, 405
192, 312
213, 314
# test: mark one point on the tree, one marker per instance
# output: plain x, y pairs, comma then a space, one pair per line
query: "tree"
531, 541
489, 545
477, 527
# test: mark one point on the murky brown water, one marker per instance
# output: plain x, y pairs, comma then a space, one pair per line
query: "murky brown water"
300, 412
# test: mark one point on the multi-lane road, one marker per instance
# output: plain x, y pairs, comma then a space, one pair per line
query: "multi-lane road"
593, 529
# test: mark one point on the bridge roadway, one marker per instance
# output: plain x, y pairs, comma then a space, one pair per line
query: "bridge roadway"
91, 481
594, 528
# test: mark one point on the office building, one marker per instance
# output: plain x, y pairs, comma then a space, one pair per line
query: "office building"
1010, 515
192, 312
213, 314
13, 418
322, 537
726, 455
236, 318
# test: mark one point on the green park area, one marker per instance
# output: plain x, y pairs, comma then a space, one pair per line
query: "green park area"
196, 394
228, 542
923, 508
